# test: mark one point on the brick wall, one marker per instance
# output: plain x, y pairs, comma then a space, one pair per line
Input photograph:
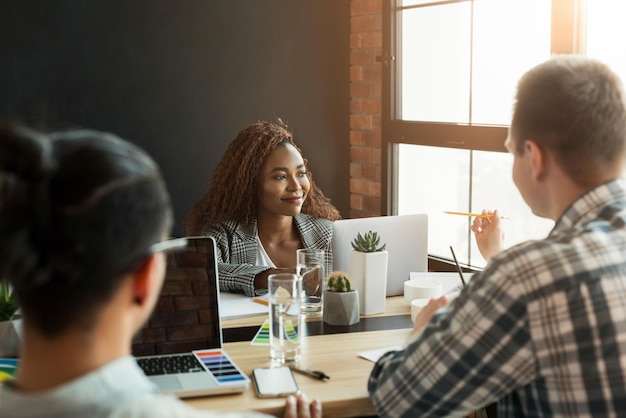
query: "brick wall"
182, 319
365, 107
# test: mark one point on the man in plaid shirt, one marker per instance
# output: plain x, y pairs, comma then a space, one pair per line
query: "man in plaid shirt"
542, 329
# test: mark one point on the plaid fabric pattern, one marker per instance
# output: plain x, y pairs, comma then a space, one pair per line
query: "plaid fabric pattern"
542, 329
237, 246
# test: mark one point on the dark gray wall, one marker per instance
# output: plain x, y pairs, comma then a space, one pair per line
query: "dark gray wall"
180, 78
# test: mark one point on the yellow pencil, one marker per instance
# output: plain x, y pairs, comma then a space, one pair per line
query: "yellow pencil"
477, 215
261, 301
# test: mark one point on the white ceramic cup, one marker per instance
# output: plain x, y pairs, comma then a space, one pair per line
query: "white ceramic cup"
422, 288
416, 307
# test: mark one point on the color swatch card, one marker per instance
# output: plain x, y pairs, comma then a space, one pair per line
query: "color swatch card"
220, 365
262, 336
8, 368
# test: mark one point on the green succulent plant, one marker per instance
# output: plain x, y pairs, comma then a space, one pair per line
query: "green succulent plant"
8, 302
338, 281
368, 242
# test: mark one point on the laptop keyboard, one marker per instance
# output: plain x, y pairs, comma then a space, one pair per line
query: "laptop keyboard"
170, 364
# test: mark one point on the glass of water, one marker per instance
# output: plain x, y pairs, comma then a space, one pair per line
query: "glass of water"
285, 319
310, 268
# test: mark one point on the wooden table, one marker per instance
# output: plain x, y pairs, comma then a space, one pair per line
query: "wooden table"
345, 393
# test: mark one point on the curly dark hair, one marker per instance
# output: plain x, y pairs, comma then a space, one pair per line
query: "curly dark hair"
231, 190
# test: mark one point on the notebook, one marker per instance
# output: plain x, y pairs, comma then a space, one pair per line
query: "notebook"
209, 371
406, 237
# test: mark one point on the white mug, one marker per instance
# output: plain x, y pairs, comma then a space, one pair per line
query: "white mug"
422, 288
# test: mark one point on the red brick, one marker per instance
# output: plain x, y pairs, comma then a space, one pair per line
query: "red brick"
360, 186
176, 287
372, 72
356, 201
200, 287
371, 203
361, 154
361, 89
177, 273
356, 73
164, 304
356, 170
150, 335
173, 318
371, 172
186, 303
363, 56
373, 105
366, 23
356, 40
187, 333
376, 122
361, 7
356, 105
372, 39
376, 155
372, 139
360, 121
376, 189
356, 137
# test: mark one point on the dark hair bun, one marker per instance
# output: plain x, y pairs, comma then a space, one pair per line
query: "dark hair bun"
25, 163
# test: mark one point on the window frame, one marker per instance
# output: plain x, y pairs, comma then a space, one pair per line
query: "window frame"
567, 25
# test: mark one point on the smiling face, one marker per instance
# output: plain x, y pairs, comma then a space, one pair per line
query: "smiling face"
283, 183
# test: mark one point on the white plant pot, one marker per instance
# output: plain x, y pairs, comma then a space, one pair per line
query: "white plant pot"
341, 308
369, 275
10, 337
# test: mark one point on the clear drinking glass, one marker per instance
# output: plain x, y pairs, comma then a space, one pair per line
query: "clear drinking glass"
310, 268
284, 298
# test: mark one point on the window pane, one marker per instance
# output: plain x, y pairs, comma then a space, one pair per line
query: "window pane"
493, 188
605, 33
505, 47
435, 63
432, 180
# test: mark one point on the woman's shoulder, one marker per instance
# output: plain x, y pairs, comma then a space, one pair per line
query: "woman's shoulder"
232, 227
322, 223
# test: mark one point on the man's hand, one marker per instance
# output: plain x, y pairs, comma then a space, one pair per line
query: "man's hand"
302, 408
426, 313
489, 234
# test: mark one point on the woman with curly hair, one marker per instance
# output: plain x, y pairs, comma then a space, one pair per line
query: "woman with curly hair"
261, 205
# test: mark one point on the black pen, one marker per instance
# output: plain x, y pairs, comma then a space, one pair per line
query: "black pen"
312, 373
458, 267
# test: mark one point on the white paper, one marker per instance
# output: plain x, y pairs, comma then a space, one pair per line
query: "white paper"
233, 306
374, 355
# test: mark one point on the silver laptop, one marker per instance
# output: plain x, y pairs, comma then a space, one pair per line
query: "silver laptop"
406, 237
200, 372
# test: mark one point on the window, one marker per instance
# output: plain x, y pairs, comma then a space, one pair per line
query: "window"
448, 96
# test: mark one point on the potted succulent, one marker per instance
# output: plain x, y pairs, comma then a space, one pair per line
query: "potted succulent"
9, 327
341, 300
368, 267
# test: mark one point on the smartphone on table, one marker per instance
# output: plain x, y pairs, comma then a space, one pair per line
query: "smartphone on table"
274, 382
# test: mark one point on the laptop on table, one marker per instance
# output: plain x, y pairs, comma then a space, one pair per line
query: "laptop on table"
209, 371
406, 237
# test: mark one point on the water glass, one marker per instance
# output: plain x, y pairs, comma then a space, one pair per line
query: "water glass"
310, 268
285, 327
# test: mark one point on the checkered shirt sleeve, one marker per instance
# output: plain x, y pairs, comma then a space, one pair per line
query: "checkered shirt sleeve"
542, 329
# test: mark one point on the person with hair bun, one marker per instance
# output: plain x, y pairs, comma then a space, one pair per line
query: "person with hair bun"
83, 217
261, 205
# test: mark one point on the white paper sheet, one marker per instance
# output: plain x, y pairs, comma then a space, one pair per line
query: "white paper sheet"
233, 306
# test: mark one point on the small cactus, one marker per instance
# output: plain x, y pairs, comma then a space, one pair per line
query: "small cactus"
367, 243
338, 281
